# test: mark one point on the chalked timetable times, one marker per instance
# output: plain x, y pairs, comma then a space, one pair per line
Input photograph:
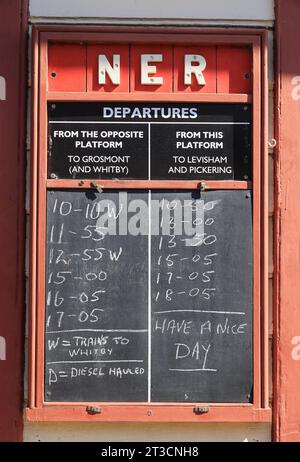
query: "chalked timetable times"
144, 141
139, 310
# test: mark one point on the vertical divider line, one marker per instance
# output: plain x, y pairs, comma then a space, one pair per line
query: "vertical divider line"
149, 269
149, 296
149, 151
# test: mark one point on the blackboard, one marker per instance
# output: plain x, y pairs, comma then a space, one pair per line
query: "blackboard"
180, 141
136, 316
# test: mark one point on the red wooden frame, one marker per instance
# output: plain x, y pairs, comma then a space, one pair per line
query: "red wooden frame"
286, 401
233, 412
13, 58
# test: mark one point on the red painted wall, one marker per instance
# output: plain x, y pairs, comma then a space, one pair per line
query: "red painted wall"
13, 52
287, 241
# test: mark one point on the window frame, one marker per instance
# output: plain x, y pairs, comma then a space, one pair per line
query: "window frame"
38, 409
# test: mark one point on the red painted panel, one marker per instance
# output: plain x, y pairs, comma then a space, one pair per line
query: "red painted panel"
66, 67
13, 53
234, 70
92, 67
287, 214
209, 73
163, 69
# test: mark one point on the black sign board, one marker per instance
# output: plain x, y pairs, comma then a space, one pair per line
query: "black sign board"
134, 316
165, 141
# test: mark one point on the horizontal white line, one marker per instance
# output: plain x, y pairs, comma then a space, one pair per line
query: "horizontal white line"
199, 311
144, 122
193, 370
98, 330
151, 21
103, 361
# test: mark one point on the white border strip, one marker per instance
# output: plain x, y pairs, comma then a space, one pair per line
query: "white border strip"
143, 122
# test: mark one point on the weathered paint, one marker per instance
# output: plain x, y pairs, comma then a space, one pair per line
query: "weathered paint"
287, 237
12, 184
99, 432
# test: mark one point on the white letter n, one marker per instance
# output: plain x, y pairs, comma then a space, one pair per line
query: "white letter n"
113, 71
